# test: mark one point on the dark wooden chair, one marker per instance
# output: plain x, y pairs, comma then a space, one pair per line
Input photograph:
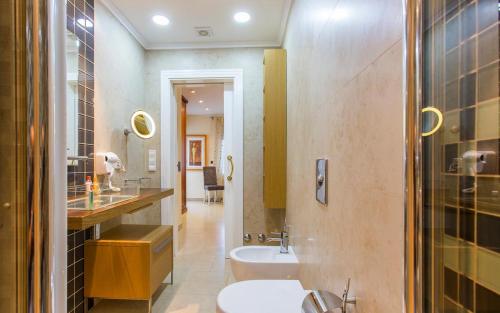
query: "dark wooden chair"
210, 183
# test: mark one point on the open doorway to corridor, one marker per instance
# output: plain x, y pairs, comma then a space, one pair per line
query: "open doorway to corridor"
201, 165
202, 139
192, 138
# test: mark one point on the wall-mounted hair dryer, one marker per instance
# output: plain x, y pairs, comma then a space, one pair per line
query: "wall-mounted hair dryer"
108, 163
478, 157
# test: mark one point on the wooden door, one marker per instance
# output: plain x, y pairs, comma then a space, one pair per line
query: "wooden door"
183, 154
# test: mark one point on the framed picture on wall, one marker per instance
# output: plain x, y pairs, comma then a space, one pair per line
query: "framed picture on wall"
196, 151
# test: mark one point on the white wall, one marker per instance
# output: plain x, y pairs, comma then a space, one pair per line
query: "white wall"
345, 103
119, 92
119, 88
199, 125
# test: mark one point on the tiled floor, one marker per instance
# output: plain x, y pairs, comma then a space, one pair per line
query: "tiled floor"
200, 269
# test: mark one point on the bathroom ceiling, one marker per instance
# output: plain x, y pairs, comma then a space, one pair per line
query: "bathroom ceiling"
265, 29
212, 96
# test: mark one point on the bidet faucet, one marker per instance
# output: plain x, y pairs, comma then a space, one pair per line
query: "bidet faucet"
283, 239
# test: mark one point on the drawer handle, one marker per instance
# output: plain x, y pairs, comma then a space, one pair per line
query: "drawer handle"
162, 245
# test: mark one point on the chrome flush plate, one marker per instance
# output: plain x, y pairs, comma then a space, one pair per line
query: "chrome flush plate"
322, 181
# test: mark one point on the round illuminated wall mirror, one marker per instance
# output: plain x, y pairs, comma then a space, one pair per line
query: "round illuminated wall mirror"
143, 124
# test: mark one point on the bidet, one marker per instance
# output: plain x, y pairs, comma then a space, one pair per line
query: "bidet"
263, 262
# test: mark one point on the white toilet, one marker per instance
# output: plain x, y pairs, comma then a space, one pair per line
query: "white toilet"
262, 296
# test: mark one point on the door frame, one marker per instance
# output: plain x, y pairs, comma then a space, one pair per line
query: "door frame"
233, 219
412, 184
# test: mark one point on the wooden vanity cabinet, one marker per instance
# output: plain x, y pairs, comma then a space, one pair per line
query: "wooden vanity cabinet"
128, 262
275, 129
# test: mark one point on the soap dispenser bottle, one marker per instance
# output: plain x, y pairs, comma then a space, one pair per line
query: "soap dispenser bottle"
88, 185
95, 186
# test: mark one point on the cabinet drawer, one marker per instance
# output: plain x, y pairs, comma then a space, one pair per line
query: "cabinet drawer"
128, 262
161, 256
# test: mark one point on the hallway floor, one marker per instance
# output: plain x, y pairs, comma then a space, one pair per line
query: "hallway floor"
200, 269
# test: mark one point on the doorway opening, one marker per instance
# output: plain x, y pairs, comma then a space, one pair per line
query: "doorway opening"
202, 151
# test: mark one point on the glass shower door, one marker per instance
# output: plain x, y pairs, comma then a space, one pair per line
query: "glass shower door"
460, 150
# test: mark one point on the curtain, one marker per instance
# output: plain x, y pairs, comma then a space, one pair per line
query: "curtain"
219, 147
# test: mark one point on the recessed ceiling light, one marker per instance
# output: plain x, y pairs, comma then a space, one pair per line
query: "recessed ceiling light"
201, 101
242, 17
206, 109
193, 91
85, 22
161, 20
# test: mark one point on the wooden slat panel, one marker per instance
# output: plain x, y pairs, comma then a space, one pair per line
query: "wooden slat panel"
275, 128
13, 146
8, 255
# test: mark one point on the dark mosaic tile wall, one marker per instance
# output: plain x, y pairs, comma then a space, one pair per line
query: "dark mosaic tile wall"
80, 21
462, 161
80, 13
76, 239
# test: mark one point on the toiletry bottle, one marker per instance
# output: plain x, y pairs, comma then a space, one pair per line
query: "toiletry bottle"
91, 197
95, 186
88, 185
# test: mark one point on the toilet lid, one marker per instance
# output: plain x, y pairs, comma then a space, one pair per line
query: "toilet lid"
262, 296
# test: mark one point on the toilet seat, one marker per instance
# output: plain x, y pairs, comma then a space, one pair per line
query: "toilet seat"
262, 296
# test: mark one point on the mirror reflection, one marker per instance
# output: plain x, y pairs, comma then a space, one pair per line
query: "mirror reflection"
72, 44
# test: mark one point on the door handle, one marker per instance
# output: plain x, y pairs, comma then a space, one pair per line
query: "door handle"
162, 245
439, 116
230, 159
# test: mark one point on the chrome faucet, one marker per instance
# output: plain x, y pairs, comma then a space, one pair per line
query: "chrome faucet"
283, 239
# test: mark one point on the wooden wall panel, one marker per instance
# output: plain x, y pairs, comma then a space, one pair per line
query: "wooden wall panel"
275, 128
13, 143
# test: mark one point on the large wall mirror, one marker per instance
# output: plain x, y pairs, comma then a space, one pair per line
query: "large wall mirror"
72, 45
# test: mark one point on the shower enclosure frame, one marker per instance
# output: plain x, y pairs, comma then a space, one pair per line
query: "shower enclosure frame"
412, 89
41, 82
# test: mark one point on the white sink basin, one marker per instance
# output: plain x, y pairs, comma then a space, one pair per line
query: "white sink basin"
99, 201
263, 262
